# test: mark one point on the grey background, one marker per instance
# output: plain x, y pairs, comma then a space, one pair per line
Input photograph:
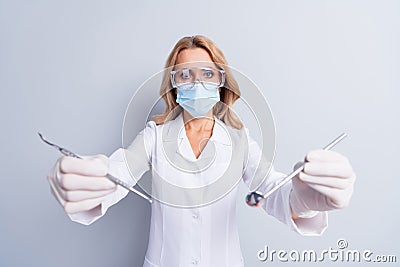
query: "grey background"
69, 68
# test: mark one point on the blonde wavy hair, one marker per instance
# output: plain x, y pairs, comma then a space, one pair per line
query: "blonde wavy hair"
229, 93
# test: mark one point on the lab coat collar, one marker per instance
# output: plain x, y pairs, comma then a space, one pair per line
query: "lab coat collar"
175, 130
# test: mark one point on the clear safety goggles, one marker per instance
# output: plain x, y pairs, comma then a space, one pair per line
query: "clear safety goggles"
185, 78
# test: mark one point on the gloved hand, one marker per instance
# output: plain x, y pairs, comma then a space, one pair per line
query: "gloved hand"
325, 183
80, 184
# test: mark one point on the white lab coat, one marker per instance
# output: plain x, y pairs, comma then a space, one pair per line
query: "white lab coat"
205, 235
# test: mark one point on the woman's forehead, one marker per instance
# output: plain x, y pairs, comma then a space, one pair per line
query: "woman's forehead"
193, 55
196, 65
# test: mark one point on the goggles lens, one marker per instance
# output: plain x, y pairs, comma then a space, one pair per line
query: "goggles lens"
185, 78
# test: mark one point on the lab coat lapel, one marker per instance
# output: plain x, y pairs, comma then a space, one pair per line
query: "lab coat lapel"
177, 147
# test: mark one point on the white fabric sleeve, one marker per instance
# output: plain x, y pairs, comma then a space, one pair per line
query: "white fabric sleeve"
127, 165
277, 205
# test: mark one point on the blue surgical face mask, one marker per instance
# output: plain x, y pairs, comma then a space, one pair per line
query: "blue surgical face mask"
198, 100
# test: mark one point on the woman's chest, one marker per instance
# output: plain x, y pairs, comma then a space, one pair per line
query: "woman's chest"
183, 180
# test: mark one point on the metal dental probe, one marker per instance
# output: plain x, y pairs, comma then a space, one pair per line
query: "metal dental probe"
109, 176
254, 198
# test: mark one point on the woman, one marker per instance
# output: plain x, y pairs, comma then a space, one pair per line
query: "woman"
186, 229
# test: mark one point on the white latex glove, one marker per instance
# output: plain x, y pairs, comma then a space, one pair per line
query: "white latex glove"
325, 183
80, 184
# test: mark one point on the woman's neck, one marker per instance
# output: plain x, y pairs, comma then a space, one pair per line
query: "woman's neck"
198, 124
